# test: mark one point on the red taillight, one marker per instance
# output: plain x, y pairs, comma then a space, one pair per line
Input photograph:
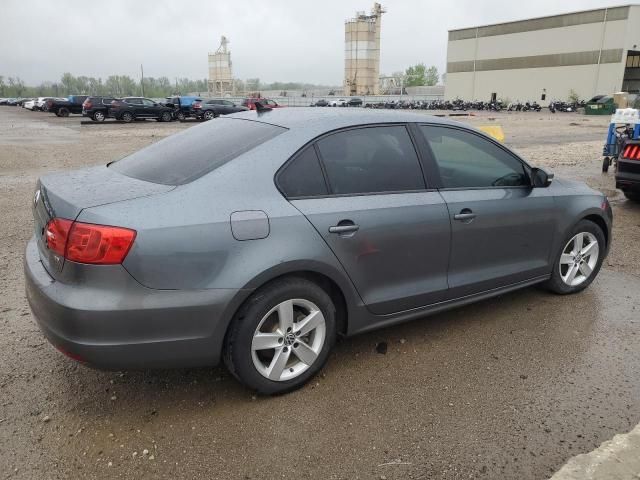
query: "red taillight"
56, 233
632, 152
196, 105
89, 243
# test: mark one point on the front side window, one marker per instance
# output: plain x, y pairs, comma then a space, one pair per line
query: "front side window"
467, 160
148, 103
134, 101
371, 160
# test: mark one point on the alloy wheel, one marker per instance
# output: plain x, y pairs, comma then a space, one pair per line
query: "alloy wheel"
579, 258
288, 339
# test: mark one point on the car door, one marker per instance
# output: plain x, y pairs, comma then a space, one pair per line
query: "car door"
150, 108
501, 227
390, 233
135, 105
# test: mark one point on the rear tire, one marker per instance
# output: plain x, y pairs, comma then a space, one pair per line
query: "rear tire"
63, 112
165, 117
279, 369
208, 115
127, 117
570, 259
605, 164
180, 116
98, 116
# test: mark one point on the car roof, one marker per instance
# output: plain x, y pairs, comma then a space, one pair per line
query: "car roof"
316, 119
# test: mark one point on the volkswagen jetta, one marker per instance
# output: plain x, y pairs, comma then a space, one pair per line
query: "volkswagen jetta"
260, 237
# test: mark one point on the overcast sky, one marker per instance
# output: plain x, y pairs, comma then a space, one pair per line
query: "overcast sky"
274, 40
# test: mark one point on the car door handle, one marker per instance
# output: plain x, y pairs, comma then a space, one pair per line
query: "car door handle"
465, 215
344, 228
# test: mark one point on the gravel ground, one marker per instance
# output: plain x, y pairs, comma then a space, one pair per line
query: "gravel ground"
509, 388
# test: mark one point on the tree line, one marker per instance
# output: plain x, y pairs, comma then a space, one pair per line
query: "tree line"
116, 85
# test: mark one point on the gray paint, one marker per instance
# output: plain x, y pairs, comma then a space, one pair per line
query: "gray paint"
172, 299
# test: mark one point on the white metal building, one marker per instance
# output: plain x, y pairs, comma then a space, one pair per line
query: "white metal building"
590, 52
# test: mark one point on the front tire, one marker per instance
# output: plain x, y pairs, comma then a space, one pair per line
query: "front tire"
282, 336
578, 262
633, 196
208, 115
63, 112
98, 116
605, 164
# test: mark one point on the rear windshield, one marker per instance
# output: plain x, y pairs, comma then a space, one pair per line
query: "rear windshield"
190, 154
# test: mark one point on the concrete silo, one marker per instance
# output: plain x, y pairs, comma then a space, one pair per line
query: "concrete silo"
362, 52
220, 72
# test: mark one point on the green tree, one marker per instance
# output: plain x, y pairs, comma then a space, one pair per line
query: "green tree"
419, 75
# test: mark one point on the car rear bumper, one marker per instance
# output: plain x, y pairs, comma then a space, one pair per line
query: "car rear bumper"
121, 324
628, 175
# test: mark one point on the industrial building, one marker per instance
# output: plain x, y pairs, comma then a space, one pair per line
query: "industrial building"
589, 52
220, 72
362, 52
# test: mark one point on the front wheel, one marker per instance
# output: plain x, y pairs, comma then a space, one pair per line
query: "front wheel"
165, 117
98, 116
63, 112
580, 259
282, 336
208, 115
181, 116
605, 164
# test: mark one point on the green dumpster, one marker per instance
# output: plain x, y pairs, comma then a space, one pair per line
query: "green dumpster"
600, 105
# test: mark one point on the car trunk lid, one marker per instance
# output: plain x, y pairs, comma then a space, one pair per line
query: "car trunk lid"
66, 194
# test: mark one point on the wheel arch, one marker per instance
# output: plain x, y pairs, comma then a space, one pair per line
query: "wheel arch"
600, 222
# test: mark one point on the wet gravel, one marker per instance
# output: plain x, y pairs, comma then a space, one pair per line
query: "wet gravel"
508, 388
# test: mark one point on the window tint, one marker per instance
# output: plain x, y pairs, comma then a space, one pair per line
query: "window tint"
188, 155
303, 176
369, 160
134, 101
466, 160
147, 102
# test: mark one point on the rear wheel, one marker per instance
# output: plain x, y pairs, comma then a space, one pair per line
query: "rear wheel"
180, 116
605, 164
579, 260
63, 112
208, 115
98, 116
282, 336
165, 117
127, 117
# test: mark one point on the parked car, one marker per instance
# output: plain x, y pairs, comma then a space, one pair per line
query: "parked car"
339, 102
182, 106
208, 109
354, 102
250, 103
320, 103
40, 103
64, 107
132, 108
628, 170
259, 242
13, 101
97, 108
29, 104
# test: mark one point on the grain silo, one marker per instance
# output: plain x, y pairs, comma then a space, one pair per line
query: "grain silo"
220, 72
362, 52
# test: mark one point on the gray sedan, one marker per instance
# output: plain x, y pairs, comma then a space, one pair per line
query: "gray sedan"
261, 237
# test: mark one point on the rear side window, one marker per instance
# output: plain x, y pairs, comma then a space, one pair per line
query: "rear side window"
467, 160
371, 160
303, 176
190, 154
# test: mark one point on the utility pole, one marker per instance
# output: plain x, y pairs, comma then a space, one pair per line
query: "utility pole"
142, 79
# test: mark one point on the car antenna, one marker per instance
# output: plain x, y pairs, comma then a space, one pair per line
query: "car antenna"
260, 108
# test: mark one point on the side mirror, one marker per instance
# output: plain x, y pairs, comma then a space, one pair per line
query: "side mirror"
540, 178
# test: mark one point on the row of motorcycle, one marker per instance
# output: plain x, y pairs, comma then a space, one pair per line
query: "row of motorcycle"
461, 105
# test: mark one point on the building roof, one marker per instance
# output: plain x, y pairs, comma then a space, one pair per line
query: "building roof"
546, 16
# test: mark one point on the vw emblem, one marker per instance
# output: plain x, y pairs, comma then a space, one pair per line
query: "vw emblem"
36, 197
